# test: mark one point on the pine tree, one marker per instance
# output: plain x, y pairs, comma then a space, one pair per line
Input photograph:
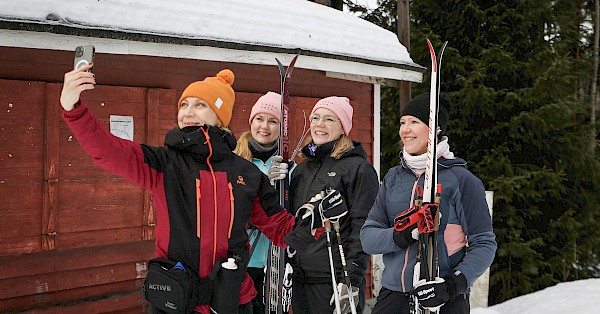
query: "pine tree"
518, 75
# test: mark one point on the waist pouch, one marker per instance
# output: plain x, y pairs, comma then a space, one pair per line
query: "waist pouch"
174, 288
227, 287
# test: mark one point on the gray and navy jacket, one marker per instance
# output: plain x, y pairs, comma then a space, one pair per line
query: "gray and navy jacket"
466, 240
356, 180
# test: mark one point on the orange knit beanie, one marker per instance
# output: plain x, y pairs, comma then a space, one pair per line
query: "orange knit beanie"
216, 91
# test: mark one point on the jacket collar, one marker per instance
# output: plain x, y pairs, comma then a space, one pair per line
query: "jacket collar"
199, 141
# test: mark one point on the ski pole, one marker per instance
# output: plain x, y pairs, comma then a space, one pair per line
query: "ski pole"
336, 296
336, 227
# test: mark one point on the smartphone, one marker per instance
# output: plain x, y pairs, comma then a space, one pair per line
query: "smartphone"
84, 55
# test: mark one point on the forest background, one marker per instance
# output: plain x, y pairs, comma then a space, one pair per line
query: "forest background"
522, 77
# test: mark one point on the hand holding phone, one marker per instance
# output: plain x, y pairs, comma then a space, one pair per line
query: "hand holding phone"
79, 79
84, 55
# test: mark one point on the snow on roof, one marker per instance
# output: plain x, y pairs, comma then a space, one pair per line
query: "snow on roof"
290, 24
275, 25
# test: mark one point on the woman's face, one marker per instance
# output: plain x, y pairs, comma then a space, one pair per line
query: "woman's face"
265, 129
414, 135
196, 112
325, 126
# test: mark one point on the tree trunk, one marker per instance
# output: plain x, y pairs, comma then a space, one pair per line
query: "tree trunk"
403, 22
594, 92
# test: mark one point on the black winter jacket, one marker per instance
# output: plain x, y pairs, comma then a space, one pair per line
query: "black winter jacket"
357, 181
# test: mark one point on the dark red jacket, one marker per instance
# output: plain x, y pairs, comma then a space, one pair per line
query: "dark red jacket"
194, 172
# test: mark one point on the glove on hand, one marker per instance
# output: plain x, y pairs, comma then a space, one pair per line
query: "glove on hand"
406, 237
300, 238
333, 207
307, 221
278, 169
434, 294
344, 300
408, 234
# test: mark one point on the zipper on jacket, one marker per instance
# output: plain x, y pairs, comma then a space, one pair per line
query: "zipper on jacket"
212, 173
198, 207
231, 208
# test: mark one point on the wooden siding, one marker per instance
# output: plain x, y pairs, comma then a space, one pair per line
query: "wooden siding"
73, 237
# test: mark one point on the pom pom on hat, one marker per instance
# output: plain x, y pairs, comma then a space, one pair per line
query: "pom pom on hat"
268, 103
341, 107
216, 91
418, 107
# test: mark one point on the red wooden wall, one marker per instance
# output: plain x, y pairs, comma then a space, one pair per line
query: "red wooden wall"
74, 237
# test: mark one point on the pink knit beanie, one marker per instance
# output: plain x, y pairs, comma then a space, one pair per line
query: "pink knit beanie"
341, 107
268, 103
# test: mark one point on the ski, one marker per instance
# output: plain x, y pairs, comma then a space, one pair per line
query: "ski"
278, 287
428, 268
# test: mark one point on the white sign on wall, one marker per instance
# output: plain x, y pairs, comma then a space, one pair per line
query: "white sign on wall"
122, 126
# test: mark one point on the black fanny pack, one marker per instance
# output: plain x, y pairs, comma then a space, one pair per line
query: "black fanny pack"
175, 288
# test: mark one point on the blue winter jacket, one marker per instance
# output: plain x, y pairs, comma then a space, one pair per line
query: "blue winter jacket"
261, 246
462, 204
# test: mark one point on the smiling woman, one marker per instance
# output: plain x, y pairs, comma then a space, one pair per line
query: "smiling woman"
214, 108
465, 229
259, 146
204, 195
335, 166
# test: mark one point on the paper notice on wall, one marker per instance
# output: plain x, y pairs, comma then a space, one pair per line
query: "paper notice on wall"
122, 126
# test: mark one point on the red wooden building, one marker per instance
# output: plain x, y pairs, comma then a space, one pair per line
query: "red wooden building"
75, 238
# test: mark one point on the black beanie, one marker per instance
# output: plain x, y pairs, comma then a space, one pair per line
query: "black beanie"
419, 108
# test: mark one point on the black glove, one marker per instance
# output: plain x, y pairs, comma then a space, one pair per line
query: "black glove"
333, 207
434, 294
299, 239
406, 237
405, 228
307, 221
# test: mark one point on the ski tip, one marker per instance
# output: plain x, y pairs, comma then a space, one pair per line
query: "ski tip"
430, 45
433, 56
294, 60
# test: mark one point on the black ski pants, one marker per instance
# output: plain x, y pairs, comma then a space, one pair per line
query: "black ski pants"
394, 302
244, 309
258, 276
313, 298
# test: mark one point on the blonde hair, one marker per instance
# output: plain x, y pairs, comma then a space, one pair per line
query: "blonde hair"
343, 145
242, 148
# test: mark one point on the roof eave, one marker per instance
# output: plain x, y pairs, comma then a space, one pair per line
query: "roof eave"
47, 36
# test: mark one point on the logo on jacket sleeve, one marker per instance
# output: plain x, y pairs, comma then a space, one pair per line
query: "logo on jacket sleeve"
240, 180
331, 174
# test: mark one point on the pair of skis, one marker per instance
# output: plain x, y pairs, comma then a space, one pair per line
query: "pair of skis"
278, 288
425, 211
427, 265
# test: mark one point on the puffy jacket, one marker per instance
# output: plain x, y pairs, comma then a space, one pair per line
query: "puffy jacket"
357, 181
195, 177
465, 218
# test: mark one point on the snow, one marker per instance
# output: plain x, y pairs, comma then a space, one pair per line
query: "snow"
581, 296
288, 24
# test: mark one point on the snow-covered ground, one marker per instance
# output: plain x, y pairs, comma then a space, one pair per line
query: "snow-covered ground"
581, 296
